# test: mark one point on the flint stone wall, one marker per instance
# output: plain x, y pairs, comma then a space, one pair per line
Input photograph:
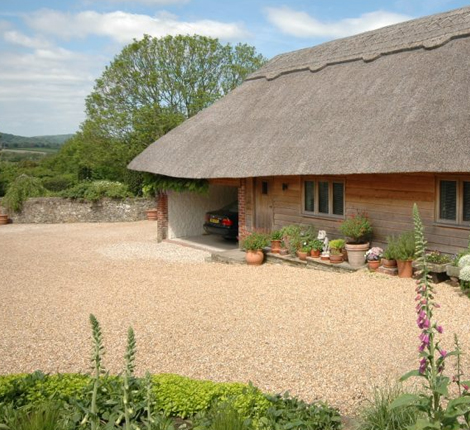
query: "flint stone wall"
54, 210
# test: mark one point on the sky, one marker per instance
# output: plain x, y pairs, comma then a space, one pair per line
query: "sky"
51, 52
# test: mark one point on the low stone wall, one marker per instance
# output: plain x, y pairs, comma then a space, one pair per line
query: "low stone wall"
55, 210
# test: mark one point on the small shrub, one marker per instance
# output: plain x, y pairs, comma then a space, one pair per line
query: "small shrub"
357, 228
405, 249
96, 190
286, 412
58, 183
437, 258
296, 236
276, 235
46, 416
378, 415
390, 252
20, 190
255, 241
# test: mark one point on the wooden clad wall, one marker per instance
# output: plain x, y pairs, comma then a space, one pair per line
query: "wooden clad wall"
387, 199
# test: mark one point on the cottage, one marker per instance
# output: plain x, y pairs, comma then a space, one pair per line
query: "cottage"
373, 123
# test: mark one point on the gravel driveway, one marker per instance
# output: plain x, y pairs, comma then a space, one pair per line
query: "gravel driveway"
319, 335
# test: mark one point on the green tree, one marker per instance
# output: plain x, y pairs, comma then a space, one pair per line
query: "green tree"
155, 82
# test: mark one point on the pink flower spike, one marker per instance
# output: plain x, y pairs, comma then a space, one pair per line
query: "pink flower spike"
426, 323
440, 329
465, 387
443, 352
418, 297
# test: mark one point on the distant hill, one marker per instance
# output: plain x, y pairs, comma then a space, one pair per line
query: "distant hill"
12, 141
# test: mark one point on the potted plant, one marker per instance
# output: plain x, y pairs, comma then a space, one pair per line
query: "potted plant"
303, 252
373, 257
316, 246
358, 230
253, 245
336, 251
276, 239
437, 265
405, 254
3, 218
389, 256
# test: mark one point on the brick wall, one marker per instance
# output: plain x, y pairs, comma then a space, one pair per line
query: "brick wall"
162, 217
242, 230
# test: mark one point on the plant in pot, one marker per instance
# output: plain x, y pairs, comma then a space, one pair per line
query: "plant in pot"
405, 253
358, 230
317, 246
303, 252
389, 256
373, 257
253, 245
336, 251
276, 239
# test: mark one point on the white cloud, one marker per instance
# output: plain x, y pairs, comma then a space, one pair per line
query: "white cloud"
123, 26
43, 91
301, 24
21, 39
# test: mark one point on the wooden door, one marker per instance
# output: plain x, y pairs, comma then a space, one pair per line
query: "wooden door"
264, 203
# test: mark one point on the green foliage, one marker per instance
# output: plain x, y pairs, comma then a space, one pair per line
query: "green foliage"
96, 190
437, 258
296, 236
222, 416
378, 414
59, 182
46, 416
20, 190
286, 412
154, 184
276, 235
184, 397
316, 244
405, 246
357, 228
391, 251
337, 244
255, 241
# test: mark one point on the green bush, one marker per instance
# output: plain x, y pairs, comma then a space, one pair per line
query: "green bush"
184, 397
357, 228
22, 188
58, 183
378, 415
255, 241
96, 190
405, 249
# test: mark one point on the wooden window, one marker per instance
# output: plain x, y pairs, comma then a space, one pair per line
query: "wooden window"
323, 200
309, 190
453, 205
338, 198
323, 197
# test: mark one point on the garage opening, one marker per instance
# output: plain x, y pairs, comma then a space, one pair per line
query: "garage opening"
187, 215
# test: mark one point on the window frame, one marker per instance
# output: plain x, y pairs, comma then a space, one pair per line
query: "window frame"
459, 222
316, 180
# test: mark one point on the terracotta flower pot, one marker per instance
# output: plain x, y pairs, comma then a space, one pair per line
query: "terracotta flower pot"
3, 219
373, 265
389, 264
336, 258
325, 257
302, 255
315, 253
152, 214
405, 268
275, 246
356, 254
254, 258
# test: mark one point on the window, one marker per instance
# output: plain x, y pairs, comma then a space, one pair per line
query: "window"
453, 204
324, 197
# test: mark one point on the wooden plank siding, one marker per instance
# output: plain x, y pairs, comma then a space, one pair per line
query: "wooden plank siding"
387, 199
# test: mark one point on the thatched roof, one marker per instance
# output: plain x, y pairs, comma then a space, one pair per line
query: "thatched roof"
391, 100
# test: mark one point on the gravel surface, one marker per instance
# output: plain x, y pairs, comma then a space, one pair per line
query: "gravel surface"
319, 335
